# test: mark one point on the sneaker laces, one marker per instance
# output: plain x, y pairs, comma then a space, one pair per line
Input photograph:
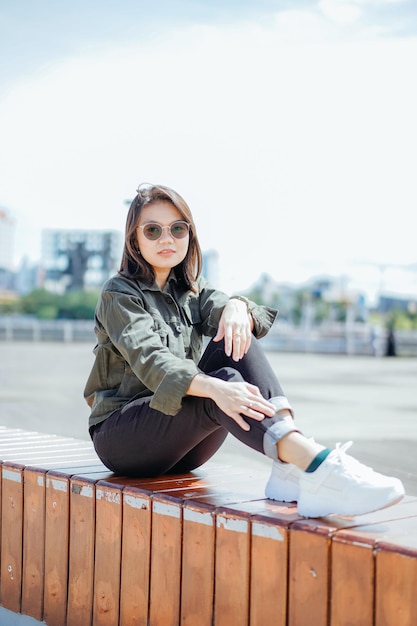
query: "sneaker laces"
349, 463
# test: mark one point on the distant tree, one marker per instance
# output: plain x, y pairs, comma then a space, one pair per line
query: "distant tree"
45, 304
78, 305
321, 310
41, 303
340, 310
9, 305
396, 319
401, 320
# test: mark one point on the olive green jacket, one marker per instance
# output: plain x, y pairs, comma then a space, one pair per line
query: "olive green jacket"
149, 342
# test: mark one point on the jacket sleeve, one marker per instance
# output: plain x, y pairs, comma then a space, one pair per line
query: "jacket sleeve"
212, 303
135, 334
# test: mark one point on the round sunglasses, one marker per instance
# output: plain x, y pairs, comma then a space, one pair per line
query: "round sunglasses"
153, 230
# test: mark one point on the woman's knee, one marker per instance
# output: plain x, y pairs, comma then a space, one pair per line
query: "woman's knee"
229, 374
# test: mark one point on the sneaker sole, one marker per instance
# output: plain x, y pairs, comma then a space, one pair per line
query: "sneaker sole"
286, 493
307, 506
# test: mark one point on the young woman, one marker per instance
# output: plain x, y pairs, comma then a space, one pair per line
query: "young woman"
158, 405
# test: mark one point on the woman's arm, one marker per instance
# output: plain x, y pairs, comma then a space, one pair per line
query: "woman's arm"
142, 342
211, 303
235, 326
233, 398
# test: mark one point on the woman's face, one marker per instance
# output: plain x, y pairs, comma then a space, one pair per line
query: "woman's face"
166, 252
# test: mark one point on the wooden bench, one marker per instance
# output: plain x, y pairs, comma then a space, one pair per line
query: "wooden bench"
80, 546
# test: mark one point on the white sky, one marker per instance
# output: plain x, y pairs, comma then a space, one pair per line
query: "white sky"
292, 134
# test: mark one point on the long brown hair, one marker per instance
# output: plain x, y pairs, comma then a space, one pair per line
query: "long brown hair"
133, 264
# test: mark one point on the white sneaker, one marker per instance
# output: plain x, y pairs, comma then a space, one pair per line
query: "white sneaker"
283, 483
342, 485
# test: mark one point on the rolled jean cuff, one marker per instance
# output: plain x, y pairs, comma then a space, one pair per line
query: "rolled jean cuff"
279, 429
281, 403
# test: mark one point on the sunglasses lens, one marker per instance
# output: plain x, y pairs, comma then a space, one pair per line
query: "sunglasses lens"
152, 231
179, 230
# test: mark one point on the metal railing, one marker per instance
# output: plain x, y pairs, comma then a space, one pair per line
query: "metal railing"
30, 329
359, 339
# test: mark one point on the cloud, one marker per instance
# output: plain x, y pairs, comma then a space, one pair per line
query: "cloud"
294, 149
341, 12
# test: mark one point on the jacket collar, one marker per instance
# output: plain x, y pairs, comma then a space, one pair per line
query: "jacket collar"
172, 279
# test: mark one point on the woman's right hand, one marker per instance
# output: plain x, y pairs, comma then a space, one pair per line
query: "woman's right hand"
235, 399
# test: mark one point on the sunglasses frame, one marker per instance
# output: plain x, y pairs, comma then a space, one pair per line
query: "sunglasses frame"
143, 226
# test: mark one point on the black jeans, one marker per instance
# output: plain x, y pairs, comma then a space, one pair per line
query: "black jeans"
137, 440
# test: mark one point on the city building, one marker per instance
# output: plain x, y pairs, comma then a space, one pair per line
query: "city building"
27, 277
7, 233
79, 259
389, 303
210, 269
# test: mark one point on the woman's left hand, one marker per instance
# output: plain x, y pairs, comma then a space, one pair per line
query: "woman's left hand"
235, 327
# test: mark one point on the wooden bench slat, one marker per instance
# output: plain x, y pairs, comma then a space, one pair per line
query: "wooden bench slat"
136, 557
11, 536
56, 548
34, 542
81, 551
166, 548
197, 564
232, 567
352, 583
395, 588
269, 572
107, 566
308, 577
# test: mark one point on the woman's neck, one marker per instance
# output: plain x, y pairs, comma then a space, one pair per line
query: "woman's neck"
161, 279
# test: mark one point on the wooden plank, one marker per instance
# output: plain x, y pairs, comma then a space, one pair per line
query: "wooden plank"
389, 532
396, 584
352, 583
23, 437
31, 451
89, 468
308, 574
161, 484
81, 551
232, 554
39, 444
269, 571
222, 480
56, 548
11, 536
269, 558
52, 458
223, 490
45, 450
33, 542
70, 465
165, 584
136, 557
107, 554
197, 580
310, 558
